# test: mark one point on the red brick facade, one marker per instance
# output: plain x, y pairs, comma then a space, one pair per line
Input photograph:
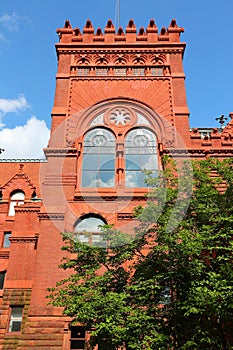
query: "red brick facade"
114, 81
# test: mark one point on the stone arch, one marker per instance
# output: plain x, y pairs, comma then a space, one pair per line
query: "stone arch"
79, 123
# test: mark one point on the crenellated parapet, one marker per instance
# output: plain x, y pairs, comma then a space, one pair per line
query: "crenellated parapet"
118, 53
213, 140
150, 35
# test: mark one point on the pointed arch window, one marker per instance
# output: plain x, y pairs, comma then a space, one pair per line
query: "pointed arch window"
98, 165
16, 198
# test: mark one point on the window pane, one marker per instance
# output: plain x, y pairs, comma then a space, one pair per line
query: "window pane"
98, 241
133, 179
12, 208
77, 332
89, 179
17, 311
106, 179
97, 161
77, 344
144, 161
6, 241
82, 238
90, 162
98, 157
2, 278
16, 199
131, 163
16, 318
94, 178
90, 224
141, 154
149, 162
16, 325
18, 196
107, 162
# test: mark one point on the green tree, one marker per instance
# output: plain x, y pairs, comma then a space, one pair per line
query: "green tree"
170, 284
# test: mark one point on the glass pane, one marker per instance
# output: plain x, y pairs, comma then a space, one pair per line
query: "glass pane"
99, 154
17, 312
89, 225
140, 138
89, 178
107, 162
90, 162
77, 344
94, 178
106, 179
18, 196
82, 238
99, 137
149, 162
143, 162
98, 241
137, 178
2, 278
132, 163
77, 332
16, 326
12, 208
6, 242
133, 179
141, 154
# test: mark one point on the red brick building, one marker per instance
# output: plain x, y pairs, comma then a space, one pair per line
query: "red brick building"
120, 104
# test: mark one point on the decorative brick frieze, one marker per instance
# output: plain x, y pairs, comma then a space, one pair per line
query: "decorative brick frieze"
51, 216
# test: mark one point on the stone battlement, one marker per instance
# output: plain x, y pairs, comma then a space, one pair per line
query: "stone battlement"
151, 35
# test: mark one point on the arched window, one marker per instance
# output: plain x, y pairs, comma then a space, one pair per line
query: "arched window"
88, 230
17, 198
98, 166
140, 154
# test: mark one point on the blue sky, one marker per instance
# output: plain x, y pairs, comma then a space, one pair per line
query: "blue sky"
28, 58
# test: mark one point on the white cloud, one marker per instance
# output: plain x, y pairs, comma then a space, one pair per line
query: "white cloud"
11, 22
13, 105
26, 141
2, 37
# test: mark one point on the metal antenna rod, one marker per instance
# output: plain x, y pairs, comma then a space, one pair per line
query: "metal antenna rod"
117, 14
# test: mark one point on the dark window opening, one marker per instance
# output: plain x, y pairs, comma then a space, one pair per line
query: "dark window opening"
77, 337
2, 279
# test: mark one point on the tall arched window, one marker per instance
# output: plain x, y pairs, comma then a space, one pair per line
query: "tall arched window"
140, 154
98, 166
17, 198
88, 230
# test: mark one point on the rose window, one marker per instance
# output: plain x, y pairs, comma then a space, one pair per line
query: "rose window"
120, 116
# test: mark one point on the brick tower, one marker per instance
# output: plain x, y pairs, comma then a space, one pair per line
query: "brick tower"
120, 104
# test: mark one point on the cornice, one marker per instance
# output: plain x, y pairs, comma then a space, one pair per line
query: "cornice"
4, 254
109, 198
125, 216
23, 239
57, 152
123, 78
132, 48
51, 216
204, 151
25, 209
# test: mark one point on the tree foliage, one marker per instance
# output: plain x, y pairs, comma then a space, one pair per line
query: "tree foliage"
169, 285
